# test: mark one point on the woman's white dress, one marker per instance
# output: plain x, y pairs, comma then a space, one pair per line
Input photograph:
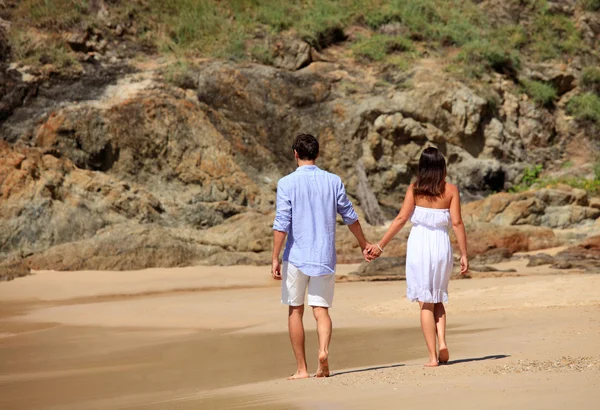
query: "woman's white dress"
428, 256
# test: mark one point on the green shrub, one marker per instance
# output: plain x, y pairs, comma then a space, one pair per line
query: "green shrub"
378, 46
449, 22
567, 164
542, 93
530, 177
277, 14
177, 73
592, 186
399, 62
459, 29
262, 54
379, 16
514, 34
591, 5
193, 22
482, 55
37, 52
590, 79
585, 107
554, 36
57, 14
323, 23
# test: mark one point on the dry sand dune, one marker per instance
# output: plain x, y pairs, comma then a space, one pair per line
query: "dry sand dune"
215, 338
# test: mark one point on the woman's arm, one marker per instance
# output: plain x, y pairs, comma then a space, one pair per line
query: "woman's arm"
459, 228
408, 206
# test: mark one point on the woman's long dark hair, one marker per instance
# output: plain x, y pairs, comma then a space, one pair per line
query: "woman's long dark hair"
431, 179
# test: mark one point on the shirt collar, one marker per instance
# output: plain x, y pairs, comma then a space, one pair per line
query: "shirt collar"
304, 168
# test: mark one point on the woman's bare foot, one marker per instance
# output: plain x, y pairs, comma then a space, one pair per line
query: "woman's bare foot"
432, 362
444, 355
323, 370
299, 375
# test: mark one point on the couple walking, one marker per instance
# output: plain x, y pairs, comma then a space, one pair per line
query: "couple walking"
308, 201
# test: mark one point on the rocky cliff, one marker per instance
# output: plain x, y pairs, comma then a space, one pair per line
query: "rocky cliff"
118, 156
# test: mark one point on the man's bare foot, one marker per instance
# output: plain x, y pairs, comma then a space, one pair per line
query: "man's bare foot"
444, 355
299, 375
323, 370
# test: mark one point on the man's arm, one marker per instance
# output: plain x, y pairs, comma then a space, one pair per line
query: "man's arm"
278, 240
283, 220
349, 216
357, 231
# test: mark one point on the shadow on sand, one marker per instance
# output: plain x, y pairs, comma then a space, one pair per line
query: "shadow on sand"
367, 369
451, 362
478, 359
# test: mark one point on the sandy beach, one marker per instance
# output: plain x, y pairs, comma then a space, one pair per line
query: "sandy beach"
215, 338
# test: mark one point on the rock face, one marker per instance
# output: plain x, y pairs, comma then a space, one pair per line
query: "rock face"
121, 169
47, 201
554, 208
155, 160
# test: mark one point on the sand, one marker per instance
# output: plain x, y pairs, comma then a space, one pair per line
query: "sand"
215, 338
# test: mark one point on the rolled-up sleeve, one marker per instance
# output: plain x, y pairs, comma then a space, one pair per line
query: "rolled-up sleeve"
344, 206
283, 216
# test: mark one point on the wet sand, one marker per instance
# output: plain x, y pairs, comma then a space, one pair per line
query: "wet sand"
215, 338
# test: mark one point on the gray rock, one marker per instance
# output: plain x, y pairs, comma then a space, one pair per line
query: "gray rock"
484, 268
495, 255
567, 216
536, 125
13, 268
383, 266
540, 259
394, 29
562, 265
292, 54
584, 255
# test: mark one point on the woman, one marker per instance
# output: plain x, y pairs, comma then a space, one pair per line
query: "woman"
432, 205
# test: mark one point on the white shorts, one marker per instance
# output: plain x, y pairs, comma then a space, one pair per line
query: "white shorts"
294, 284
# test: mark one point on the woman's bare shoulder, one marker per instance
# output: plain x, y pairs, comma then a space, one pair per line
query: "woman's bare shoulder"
451, 189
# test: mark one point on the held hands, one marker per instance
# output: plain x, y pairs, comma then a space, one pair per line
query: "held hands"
372, 252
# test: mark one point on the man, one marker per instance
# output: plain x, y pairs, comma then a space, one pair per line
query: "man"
307, 203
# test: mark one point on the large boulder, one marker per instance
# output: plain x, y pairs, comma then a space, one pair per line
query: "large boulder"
483, 237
